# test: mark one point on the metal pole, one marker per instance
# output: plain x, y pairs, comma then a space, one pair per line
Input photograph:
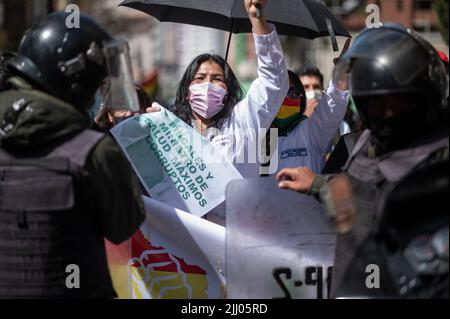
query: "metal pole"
229, 39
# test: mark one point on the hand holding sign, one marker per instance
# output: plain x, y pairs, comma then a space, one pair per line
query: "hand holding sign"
156, 107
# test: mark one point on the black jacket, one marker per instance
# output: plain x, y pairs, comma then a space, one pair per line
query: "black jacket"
110, 182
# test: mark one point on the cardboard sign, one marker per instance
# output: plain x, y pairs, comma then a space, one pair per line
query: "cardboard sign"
176, 165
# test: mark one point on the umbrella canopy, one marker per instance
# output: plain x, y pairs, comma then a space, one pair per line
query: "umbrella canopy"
300, 18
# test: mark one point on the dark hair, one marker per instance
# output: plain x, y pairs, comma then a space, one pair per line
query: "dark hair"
102, 118
299, 88
311, 71
182, 108
144, 99
5, 73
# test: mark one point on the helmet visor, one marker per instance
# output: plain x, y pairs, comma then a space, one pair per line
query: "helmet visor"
119, 90
387, 50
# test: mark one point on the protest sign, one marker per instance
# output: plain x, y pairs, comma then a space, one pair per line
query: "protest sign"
176, 165
279, 244
174, 255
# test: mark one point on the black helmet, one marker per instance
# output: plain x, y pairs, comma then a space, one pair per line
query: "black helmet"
392, 69
65, 62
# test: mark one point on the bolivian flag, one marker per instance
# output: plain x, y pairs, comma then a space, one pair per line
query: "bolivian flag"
158, 274
150, 84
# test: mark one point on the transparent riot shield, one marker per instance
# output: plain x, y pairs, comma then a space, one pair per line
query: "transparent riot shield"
118, 259
279, 244
119, 90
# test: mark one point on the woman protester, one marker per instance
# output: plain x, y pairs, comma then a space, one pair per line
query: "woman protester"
210, 99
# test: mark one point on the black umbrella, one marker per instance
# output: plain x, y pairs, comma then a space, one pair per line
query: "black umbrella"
301, 18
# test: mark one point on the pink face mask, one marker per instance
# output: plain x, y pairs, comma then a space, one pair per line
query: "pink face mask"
206, 99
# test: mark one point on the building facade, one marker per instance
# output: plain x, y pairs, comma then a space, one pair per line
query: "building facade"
165, 49
418, 15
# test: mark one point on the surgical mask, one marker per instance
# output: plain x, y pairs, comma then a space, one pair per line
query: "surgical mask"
314, 95
206, 99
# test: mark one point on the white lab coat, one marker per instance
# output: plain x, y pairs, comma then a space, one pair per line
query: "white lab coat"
257, 109
309, 142
238, 136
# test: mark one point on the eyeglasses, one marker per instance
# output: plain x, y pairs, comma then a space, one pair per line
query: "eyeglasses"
293, 93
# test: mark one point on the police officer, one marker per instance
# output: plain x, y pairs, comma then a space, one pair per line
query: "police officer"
390, 205
64, 187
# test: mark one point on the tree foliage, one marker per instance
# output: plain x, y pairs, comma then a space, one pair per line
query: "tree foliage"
441, 7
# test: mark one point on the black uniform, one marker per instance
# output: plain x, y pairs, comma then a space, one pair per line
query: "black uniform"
397, 169
64, 187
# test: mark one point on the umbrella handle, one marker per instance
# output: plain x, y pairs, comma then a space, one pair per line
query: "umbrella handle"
258, 10
332, 35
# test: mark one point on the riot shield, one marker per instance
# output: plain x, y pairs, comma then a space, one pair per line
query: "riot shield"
279, 244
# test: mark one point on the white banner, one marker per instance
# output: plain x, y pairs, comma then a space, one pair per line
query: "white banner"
176, 165
176, 255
